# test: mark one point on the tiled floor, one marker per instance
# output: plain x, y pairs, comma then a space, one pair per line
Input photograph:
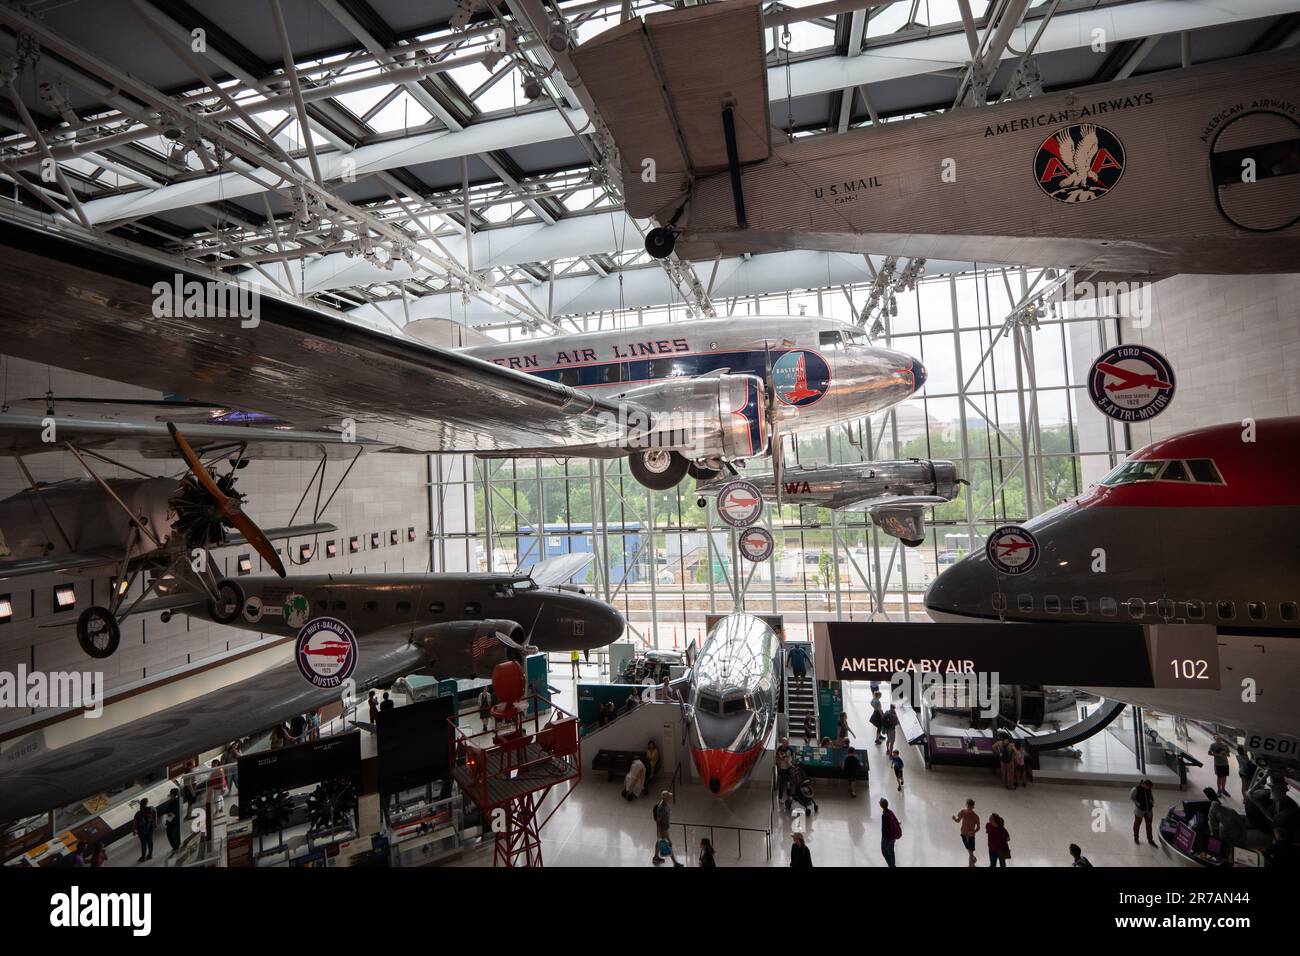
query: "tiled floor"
594, 826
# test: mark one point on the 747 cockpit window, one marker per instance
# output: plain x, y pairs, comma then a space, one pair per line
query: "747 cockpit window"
1198, 470
1130, 471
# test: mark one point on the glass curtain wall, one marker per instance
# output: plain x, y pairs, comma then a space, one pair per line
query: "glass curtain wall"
1003, 400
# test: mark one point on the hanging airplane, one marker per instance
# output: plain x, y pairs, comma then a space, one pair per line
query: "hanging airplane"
671, 399
444, 625
1197, 528
1080, 179
895, 494
731, 700
757, 375
144, 528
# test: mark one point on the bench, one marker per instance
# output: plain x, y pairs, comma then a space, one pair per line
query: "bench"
616, 762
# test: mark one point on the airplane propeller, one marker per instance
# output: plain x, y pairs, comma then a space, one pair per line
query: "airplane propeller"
227, 503
773, 429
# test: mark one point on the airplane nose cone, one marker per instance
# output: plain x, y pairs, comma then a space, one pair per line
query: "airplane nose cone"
918, 376
966, 588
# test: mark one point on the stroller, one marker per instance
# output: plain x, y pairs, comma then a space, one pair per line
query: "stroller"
800, 789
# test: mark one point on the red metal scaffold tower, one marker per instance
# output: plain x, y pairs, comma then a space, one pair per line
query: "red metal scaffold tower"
509, 770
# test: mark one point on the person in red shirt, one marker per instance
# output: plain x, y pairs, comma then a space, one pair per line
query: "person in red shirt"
999, 840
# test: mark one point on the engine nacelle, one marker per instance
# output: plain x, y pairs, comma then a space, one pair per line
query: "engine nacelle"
713, 416
470, 649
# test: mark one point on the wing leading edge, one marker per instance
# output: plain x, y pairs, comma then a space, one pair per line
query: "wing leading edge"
100, 314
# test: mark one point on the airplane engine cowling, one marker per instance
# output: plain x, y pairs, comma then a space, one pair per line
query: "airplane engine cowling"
713, 416
470, 649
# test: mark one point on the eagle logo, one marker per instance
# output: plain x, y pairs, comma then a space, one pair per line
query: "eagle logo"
1079, 163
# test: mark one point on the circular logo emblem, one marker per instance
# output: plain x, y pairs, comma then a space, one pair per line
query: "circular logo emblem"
1079, 163
800, 377
1131, 383
739, 503
1012, 550
296, 609
253, 609
1251, 158
326, 652
756, 544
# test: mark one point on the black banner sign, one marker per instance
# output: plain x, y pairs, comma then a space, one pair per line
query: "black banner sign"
1074, 655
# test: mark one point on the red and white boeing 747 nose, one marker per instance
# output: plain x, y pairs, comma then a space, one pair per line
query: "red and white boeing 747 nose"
1199, 528
731, 705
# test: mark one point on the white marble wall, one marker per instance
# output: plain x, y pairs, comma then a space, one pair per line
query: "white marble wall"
1234, 342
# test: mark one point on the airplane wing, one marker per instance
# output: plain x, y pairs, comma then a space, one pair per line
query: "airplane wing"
79, 770
560, 569
108, 311
23, 434
897, 501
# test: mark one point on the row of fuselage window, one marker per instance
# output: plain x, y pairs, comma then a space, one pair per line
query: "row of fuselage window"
1164, 609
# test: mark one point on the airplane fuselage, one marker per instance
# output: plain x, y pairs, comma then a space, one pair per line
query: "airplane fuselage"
552, 620
1219, 551
732, 700
823, 371
855, 486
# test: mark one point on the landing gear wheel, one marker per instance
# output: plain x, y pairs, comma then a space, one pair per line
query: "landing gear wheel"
657, 469
232, 602
660, 242
97, 632
702, 472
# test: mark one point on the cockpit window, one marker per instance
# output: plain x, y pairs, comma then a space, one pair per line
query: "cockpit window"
1204, 470
1130, 471
524, 584
1174, 471
829, 340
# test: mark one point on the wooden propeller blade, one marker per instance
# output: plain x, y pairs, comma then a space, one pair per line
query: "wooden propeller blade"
230, 510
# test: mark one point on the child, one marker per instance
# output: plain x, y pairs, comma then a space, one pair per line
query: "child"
896, 761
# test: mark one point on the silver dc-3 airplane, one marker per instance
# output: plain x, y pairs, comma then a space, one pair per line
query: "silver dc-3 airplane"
671, 398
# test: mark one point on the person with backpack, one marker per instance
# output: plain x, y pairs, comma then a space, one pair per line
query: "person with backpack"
891, 831
634, 781
891, 728
663, 818
999, 840
1077, 857
1002, 752
797, 658
1144, 802
1219, 751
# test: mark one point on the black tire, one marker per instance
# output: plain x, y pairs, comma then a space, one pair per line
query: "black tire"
98, 632
657, 469
234, 597
701, 472
660, 242
912, 542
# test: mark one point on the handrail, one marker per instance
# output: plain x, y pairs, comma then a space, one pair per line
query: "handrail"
740, 852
